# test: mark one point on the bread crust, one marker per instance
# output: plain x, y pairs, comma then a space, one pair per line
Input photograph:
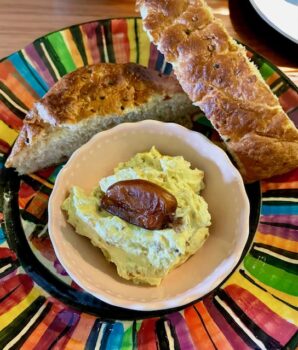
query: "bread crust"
103, 90
218, 77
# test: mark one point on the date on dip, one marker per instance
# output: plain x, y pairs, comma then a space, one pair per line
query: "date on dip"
140, 203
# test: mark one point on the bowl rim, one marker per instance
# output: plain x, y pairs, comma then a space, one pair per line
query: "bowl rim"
178, 300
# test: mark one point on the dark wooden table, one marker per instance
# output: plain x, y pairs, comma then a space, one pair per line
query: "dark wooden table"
22, 21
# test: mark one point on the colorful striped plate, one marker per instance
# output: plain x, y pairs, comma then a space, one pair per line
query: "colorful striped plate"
42, 308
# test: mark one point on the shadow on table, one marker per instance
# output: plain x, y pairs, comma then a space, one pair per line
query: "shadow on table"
256, 33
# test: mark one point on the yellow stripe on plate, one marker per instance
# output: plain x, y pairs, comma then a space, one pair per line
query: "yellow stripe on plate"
14, 312
72, 48
132, 40
44, 182
144, 45
290, 299
7, 134
276, 306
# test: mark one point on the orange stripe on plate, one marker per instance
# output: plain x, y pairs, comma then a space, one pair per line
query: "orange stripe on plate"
81, 333
279, 185
277, 242
272, 78
198, 333
14, 82
35, 336
9, 118
217, 336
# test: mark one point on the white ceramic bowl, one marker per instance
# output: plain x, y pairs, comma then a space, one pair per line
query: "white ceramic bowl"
224, 193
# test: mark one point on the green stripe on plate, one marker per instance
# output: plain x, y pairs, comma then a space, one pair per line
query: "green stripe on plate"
109, 40
266, 70
272, 276
272, 260
57, 42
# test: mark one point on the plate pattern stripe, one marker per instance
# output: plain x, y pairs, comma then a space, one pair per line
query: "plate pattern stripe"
256, 308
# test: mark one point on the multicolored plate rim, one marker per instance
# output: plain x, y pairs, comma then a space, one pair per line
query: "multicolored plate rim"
40, 307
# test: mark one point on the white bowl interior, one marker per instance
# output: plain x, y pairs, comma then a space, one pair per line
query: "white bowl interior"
224, 193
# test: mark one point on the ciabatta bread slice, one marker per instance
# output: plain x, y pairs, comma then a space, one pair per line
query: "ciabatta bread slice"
92, 99
218, 77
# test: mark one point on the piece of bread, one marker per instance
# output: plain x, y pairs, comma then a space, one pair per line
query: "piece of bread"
219, 78
92, 99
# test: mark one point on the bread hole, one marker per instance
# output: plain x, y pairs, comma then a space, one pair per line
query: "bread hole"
216, 65
252, 79
211, 47
122, 108
211, 37
187, 31
102, 97
111, 82
237, 71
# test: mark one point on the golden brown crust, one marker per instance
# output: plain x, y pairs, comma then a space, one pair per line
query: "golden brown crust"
104, 89
99, 90
265, 155
236, 119
216, 74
